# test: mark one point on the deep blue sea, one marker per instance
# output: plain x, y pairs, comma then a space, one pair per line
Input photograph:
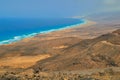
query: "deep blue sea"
15, 29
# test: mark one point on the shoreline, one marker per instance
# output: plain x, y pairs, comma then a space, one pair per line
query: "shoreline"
19, 38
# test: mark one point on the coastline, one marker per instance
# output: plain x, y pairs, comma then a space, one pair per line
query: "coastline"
19, 38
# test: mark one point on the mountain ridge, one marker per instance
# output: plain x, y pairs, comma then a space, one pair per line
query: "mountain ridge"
100, 52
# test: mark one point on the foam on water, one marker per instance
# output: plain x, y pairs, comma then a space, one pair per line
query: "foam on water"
18, 38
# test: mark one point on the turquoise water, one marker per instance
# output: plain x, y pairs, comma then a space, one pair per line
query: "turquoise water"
12, 29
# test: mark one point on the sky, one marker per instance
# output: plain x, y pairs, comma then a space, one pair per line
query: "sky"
55, 8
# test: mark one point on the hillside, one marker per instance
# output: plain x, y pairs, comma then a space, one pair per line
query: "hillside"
101, 52
63, 58
52, 57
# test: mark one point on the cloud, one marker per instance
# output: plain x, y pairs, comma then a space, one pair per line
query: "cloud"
112, 2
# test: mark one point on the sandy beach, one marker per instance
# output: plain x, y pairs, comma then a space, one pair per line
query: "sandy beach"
89, 30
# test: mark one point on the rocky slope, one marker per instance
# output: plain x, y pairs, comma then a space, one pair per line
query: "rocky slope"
72, 59
101, 52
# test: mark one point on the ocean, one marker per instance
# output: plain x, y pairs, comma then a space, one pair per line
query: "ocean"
15, 29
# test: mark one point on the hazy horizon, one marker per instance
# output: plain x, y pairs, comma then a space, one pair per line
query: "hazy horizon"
55, 8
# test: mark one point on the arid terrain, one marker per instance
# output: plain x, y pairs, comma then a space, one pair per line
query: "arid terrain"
87, 52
